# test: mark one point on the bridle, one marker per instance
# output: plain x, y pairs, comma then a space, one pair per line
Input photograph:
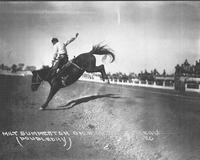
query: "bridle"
38, 78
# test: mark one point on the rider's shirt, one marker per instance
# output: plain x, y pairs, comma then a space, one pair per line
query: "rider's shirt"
60, 48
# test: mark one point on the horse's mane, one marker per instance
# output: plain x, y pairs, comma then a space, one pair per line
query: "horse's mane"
45, 67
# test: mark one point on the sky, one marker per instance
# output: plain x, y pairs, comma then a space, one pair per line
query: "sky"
143, 35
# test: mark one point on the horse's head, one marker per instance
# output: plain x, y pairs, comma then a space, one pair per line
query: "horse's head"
36, 81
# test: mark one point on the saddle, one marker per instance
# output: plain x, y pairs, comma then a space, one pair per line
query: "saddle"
66, 66
64, 70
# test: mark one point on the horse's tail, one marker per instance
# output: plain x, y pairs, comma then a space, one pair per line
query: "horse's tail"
102, 50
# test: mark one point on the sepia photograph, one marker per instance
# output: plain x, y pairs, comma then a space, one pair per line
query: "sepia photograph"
99, 80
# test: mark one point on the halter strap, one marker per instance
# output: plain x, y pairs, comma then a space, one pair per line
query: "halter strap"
40, 79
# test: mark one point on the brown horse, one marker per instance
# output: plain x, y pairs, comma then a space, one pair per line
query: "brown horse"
73, 70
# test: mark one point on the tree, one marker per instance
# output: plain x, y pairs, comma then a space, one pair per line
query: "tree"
124, 77
132, 75
155, 72
14, 68
30, 68
20, 67
2, 66
164, 73
110, 76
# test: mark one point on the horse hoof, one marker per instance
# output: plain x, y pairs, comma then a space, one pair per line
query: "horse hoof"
41, 108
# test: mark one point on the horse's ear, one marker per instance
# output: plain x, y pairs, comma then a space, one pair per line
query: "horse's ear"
33, 72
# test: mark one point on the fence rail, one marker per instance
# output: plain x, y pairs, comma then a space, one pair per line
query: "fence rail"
138, 83
142, 84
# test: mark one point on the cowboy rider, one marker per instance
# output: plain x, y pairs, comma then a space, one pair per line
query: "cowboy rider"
60, 53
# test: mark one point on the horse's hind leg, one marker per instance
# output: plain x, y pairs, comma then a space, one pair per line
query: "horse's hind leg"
93, 68
100, 69
103, 73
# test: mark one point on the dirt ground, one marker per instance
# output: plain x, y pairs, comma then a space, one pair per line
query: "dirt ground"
104, 122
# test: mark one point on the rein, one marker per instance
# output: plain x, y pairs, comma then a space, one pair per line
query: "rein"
76, 65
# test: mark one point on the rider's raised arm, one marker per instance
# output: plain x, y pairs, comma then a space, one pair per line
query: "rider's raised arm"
72, 39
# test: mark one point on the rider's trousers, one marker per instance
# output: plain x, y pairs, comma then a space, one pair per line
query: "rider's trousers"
61, 61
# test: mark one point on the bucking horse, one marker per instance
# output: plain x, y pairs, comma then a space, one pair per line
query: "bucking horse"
71, 71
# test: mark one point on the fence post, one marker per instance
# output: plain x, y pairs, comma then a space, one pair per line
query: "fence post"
147, 82
164, 83
186, 85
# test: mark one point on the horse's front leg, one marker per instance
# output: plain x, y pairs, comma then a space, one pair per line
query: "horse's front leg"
52, 92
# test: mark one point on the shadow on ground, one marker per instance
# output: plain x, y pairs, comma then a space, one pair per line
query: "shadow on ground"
78, 101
